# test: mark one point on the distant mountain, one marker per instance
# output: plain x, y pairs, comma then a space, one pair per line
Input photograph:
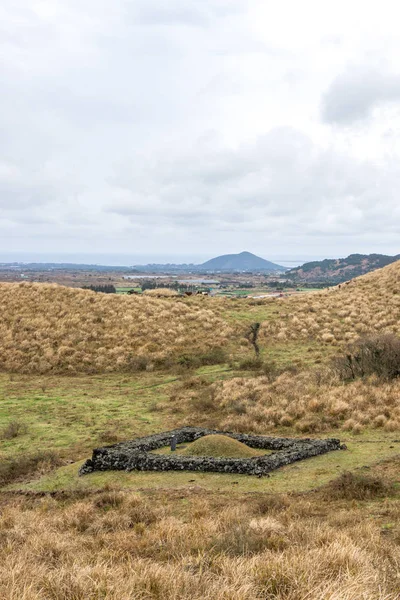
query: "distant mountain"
228, 263
338, 270
245, 261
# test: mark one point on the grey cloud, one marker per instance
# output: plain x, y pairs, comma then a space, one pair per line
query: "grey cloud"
282, 181
162, 123
354, 94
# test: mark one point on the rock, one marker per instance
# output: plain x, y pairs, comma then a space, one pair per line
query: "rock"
136, 454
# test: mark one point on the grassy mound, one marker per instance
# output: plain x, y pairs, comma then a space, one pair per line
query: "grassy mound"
54, 329
220, 446
364, 305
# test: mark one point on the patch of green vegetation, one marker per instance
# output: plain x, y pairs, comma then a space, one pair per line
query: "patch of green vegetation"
70, 415
363, 451
125, 290
244, 311
300, 353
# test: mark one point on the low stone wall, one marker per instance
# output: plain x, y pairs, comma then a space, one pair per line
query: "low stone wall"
136, 454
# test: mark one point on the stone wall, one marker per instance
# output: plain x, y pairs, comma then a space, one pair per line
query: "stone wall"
136, 454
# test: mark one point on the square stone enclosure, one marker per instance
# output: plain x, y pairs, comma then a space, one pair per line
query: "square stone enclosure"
137, 454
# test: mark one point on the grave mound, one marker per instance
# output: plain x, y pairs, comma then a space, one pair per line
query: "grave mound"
139, 454
220, 446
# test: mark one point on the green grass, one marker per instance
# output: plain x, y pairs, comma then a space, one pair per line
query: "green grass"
71, 415
124, 290
304, 353
363, 452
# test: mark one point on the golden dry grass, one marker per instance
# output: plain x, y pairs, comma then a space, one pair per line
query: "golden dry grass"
125, 546
367, 304
50, 328
161, 292
307, 402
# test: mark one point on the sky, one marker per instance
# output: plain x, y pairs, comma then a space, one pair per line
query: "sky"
180, 130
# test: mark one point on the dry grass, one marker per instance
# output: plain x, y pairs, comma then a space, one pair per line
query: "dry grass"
28, 465
122, 546
308, 402
161, 293
358, 486
339, 543
367, 304
49, 328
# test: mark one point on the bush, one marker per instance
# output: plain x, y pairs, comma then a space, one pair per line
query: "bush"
371, 355
213, 356
13, 430
251, 364
27, 465
357, 486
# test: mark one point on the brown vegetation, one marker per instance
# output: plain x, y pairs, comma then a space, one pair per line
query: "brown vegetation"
371, 355
367, 304
161, 292
28, 465
49, 328
13, 429
309, 401
122, 546
358, 486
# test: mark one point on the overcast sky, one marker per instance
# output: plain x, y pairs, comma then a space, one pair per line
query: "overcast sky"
190, 128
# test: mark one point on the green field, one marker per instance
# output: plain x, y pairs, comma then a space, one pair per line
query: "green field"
72, 415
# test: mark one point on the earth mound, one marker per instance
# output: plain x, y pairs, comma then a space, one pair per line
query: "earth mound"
220, 446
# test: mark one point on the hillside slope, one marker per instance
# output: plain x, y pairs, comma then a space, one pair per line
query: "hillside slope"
367, 304
339, 270
245, 261
50, 328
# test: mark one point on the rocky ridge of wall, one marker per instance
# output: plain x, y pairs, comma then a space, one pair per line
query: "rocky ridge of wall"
136, 454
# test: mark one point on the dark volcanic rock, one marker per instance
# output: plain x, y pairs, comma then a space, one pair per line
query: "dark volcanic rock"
136, 454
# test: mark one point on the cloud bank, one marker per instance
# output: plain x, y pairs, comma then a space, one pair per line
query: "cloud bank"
193, 128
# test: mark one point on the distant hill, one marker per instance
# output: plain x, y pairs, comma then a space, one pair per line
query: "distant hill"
229, 263
338, 270
245, 261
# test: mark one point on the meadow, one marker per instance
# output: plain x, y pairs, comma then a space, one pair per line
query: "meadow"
82, 370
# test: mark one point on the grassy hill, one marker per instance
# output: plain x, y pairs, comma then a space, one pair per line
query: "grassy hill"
47, 328
50, 328
367, 304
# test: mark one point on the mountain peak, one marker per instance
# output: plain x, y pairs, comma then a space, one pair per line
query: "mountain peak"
244, 261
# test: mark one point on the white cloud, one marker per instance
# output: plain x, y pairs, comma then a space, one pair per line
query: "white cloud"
190, 125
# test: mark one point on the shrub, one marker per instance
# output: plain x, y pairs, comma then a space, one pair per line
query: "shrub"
13, 430
371, 355
251, 364
357, 486
27, 465
213, 356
